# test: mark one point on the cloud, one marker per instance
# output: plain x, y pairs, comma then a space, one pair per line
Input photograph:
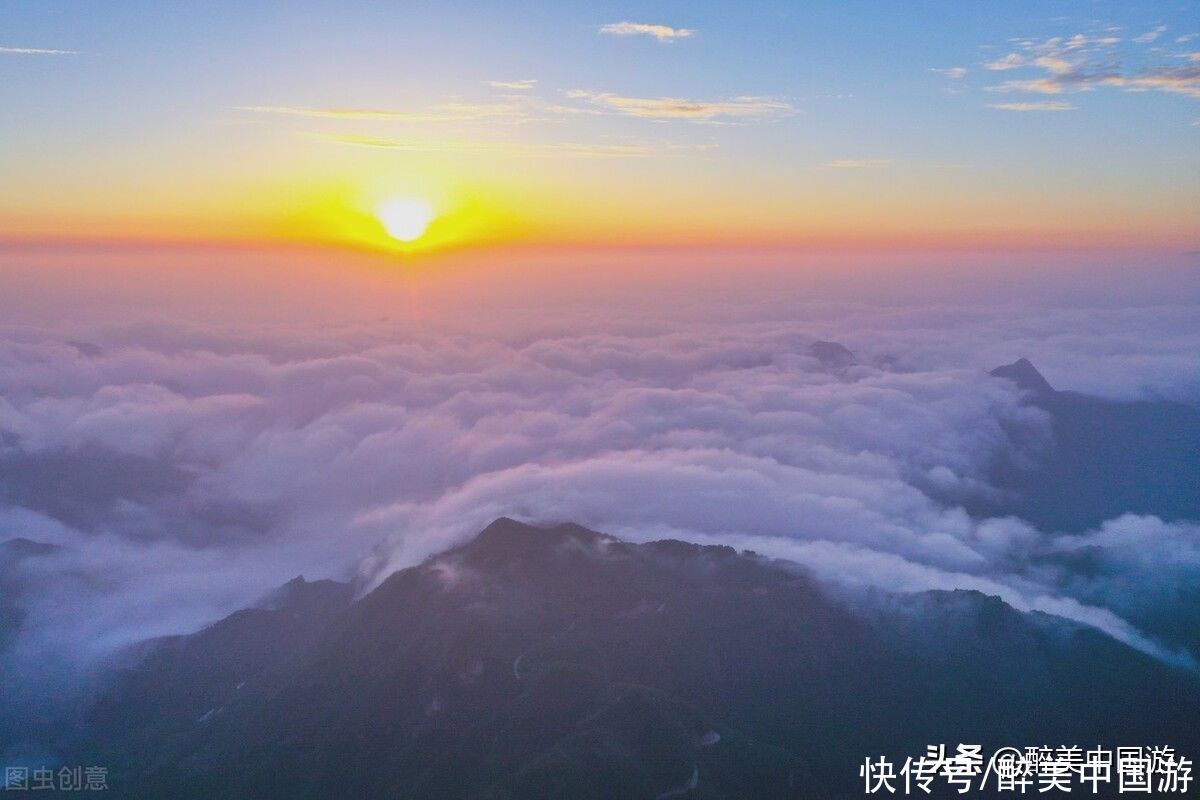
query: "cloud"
324, 113
35, 51
1083, 63
745, 107
186, 470
1035, 85
859, 163
526, 108
442, 112
516, 85
1179, 80
662, 33
526, 149
1044, 105
950, 72
1150, 36
1010, 61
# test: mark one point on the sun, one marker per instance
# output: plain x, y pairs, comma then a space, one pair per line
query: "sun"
405, 218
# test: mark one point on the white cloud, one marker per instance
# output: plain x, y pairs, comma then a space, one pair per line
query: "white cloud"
1010, 61
663, 33
859, 163
296, 449
950, 72
521, 85
1034, 85
1044, 105
516, 149
451, 111
35, 51
745, 107
1083, 63
1150, 36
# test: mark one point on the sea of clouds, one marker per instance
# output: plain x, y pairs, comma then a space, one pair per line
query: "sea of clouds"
185, 471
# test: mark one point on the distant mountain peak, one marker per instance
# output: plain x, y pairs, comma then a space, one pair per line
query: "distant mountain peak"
298, 594
507, 536
87, 349
1024, 374
832, 354
21, 547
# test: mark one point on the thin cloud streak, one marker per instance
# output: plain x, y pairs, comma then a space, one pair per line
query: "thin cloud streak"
443, 112
517, 85
663, 33
1010, 61
1150, 36
681, 108
1048, 105
859, 163
558, 149
36, 51
1034, 85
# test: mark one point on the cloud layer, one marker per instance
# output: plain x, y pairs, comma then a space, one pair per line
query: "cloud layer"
186, 471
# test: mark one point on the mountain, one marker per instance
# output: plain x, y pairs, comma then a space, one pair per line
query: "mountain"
176, 681
563, 663
20, 716
1025, 375
832, 354
1105, 458
14, 550
12, 553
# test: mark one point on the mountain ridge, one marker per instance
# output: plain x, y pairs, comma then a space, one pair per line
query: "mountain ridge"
562, 662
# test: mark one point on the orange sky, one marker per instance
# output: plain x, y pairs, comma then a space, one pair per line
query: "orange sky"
741, 134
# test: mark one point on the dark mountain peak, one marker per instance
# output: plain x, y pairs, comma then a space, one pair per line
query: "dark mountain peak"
87, 349
1025, 375
299, 594
508, 537
832, 354
20, 547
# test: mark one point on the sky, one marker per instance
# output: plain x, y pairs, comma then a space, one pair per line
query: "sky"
756, 126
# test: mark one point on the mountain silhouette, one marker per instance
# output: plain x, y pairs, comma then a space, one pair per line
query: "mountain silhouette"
563, 663
1104, 458
832, 354
1024, 375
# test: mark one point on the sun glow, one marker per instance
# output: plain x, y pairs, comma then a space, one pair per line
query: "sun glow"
397, 217
405, 218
